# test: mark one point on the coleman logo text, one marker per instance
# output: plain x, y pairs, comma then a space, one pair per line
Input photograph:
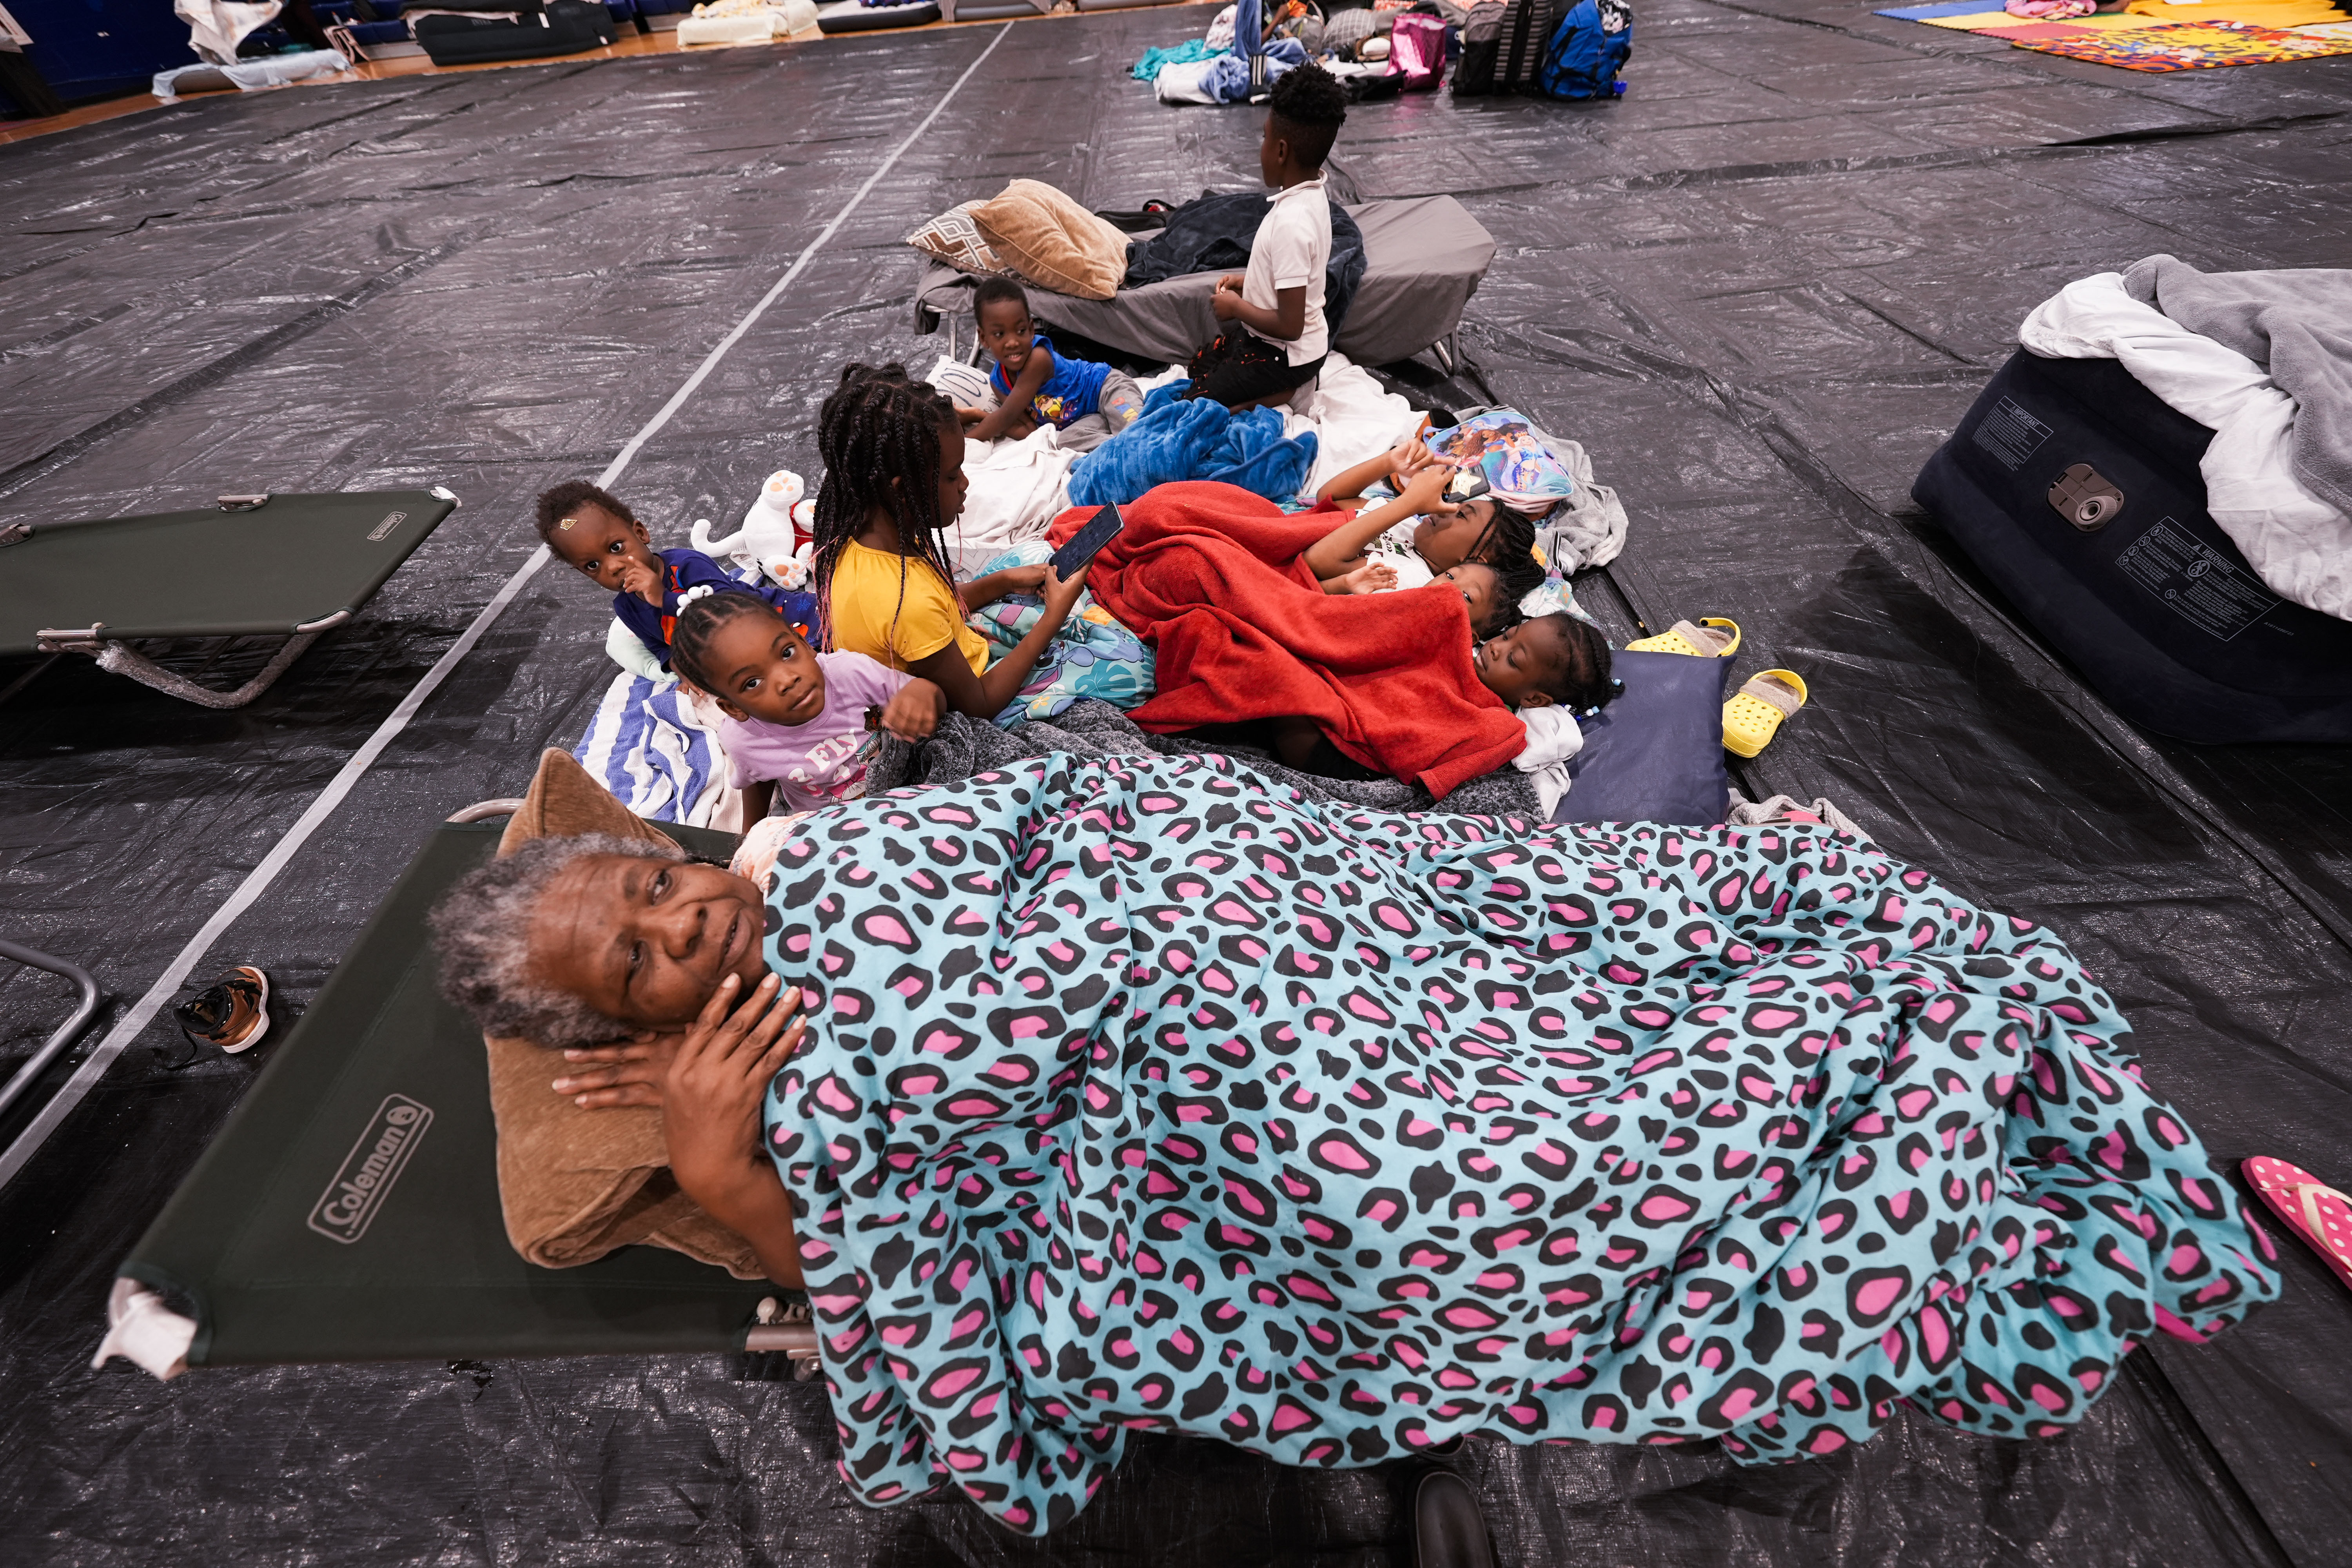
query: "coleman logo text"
351, 1201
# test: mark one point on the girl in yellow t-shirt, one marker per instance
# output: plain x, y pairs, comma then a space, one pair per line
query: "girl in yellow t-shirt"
893, 481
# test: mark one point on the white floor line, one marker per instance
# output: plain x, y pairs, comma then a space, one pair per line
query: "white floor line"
93, 1067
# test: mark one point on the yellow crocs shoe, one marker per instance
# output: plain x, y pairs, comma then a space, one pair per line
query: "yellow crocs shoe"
1753, 715
1712, 637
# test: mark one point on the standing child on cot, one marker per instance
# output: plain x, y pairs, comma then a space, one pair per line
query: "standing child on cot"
588, 527
1273, 339
1036, 384
894, 484
803, 722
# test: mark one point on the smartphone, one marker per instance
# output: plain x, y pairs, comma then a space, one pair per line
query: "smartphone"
1466, 485
1087, 542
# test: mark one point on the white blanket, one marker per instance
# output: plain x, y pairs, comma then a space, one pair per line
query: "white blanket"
2298, 544
1352, 420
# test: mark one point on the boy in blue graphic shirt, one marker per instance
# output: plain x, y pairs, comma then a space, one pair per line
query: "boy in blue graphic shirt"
595, 531
1034, 385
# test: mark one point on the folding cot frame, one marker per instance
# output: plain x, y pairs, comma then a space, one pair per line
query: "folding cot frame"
349, 1209
291, 566
85, 1007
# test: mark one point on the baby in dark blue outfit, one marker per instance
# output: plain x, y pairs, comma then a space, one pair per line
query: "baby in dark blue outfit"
595, 531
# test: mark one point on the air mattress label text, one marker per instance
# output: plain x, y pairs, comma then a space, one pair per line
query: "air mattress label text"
382, 530
349, 1205
2011, 434
2199, 583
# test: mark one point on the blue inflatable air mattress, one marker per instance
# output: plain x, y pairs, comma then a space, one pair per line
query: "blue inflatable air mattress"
2077, 491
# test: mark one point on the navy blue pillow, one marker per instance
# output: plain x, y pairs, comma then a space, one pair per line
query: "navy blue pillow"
1655, 754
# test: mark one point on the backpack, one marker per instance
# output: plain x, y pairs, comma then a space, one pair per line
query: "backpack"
1587, 51
1503, 46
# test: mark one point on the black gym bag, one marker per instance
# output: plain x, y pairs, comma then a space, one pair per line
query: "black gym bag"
2078, 492
1502, 46
560, 28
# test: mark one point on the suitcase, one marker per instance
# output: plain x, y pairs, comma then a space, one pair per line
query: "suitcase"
560, 27
2077, 491
1503, 44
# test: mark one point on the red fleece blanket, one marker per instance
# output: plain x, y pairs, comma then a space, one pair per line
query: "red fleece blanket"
1211, 576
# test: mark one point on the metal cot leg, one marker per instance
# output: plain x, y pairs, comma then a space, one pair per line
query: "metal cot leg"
56, 1044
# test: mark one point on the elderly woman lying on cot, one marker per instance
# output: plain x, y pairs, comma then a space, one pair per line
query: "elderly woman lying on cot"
1142, 1093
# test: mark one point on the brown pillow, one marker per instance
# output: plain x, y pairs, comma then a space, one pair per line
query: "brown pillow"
952, 237
573, 1183
1053, 241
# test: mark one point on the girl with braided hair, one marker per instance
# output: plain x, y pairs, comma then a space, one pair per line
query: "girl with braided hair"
894, 483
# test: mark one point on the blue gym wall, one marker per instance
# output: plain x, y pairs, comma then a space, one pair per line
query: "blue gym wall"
101, 48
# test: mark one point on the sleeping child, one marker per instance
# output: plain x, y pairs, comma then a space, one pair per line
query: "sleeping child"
1036, 384
803, 722
1554, 661
595, 531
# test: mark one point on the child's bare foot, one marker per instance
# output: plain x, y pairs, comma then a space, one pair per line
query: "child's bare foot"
1374, 576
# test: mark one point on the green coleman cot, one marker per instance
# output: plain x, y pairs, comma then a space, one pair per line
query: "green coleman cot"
349, 1209
285, 566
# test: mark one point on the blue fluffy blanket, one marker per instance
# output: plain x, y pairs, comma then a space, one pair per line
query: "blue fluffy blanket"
1199, 439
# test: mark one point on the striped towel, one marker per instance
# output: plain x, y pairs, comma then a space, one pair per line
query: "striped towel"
658, 757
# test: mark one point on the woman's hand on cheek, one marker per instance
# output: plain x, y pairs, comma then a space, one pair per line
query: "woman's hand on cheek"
631, 1073
712, 1097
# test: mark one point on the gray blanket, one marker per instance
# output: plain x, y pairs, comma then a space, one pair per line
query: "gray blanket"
2298, 324
963, 747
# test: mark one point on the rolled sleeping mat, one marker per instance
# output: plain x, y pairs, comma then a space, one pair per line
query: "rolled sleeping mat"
854, 16
564, 28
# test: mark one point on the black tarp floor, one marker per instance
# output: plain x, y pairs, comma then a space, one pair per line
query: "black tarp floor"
1760, 289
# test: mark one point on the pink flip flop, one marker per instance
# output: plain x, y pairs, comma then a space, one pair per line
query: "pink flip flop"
2311, 1209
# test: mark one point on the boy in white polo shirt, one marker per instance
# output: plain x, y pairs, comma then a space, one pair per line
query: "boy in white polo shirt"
1272, 338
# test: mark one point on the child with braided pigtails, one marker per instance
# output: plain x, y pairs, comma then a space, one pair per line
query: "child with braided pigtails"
801, 723
894, 482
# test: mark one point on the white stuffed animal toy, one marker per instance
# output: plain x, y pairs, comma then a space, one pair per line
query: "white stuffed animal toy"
774, 534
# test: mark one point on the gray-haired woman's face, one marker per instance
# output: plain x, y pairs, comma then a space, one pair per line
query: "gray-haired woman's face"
646, 941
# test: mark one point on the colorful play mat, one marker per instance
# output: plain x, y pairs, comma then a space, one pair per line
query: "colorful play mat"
2158, 35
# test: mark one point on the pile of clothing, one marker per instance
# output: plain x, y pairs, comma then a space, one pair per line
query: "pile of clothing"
746, 21
1244, 54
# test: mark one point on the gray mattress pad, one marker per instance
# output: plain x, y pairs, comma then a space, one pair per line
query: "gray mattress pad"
1423, 259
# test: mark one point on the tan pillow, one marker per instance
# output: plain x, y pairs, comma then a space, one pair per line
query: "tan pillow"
952, 237
575, 1185
1053, 241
